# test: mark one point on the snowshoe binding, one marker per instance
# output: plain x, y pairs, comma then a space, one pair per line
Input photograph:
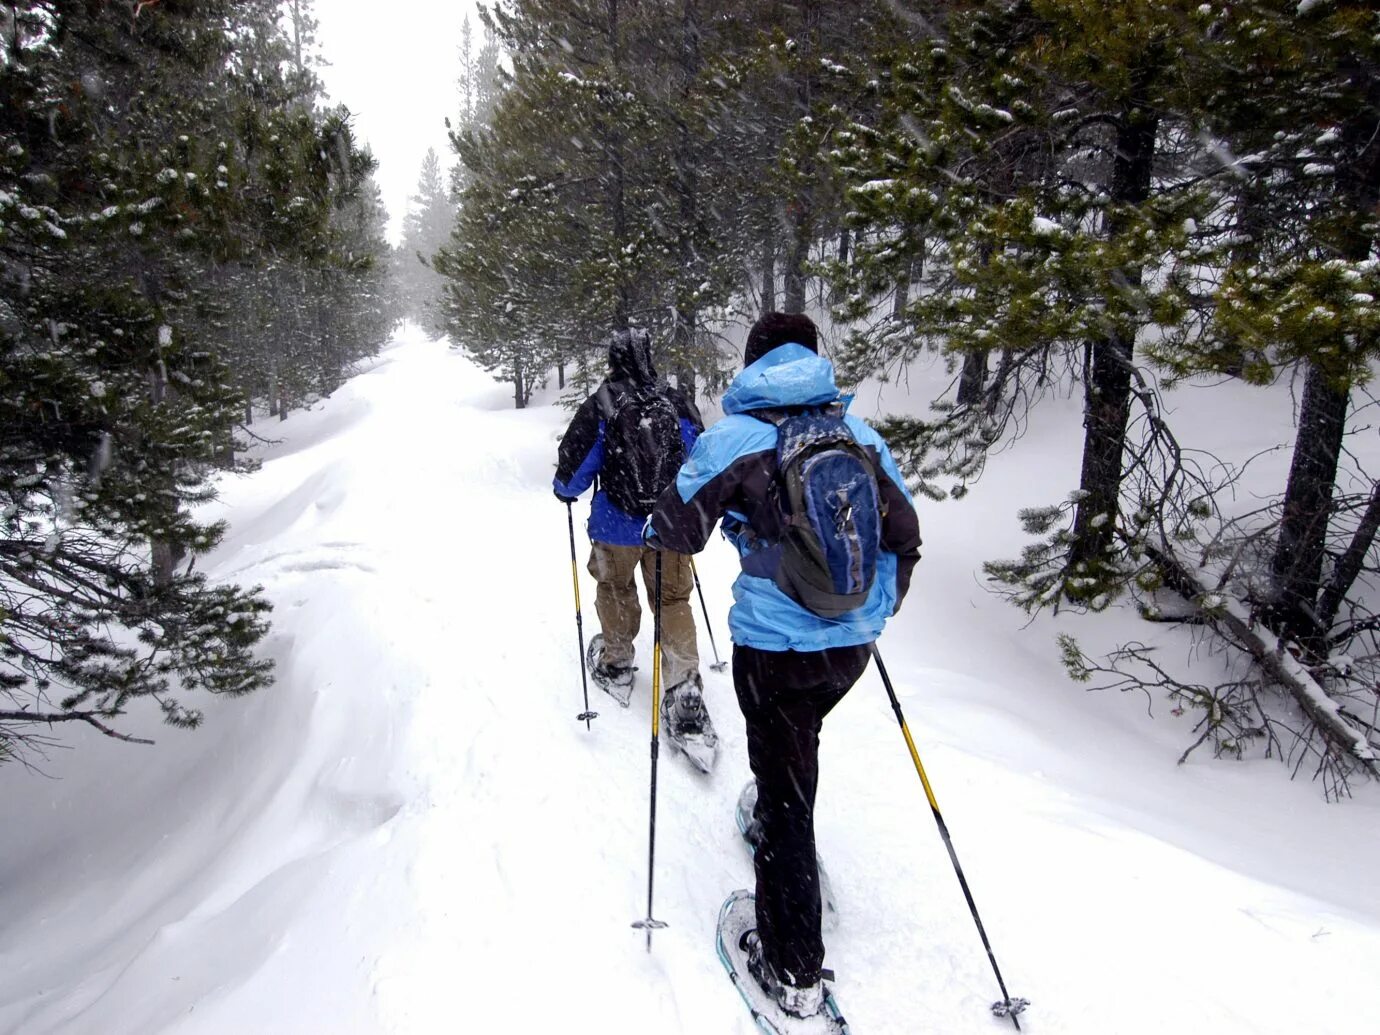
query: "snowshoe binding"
614, 680
686, 723
776, 1008
752, 837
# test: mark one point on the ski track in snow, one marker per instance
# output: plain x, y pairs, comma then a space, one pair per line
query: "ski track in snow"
410, 832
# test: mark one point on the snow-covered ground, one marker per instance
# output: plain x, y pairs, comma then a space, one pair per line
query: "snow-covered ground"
411, 833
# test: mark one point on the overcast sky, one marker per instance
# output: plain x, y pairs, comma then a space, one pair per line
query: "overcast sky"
395, 67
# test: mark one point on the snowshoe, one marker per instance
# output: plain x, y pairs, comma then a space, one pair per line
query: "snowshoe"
737, 930
614, 680
686, 723
747, 826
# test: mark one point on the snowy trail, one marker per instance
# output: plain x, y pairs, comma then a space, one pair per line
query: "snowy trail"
411, 832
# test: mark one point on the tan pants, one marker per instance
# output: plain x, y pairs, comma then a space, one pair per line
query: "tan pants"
620, 613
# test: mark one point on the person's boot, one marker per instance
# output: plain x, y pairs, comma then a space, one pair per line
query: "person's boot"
796, 1000
682, 707
614, 680
687, 724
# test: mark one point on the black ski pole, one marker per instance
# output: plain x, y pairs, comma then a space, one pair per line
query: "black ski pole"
718, 665
1006, 1006
585, 715
648, 924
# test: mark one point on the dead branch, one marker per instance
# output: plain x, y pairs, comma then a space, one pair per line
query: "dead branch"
1342, 737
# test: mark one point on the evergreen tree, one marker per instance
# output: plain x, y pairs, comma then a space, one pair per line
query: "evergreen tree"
426, 229
1038, 160
624, 175
175, 238
111, 198
1302, 150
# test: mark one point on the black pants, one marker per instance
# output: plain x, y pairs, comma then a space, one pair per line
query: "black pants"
785, 696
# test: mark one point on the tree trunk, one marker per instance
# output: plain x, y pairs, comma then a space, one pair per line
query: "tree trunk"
974, 374
687, 382
1350, 564
1107, 408
1108, 385
901, 296
1244, 252
1296, 567
687, 190
768, 268
617, 189
687, 321
798, 251
165, 558
998, 388
1323, 413
973, 377
801, 209
519, 385
224, 456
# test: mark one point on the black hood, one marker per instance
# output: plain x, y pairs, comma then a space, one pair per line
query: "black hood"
630, 357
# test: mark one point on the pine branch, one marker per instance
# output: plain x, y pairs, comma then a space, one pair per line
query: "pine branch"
87, 717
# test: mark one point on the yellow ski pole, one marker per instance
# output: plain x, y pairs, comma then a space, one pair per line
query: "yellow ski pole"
586, 715
648, 924
1006, 1006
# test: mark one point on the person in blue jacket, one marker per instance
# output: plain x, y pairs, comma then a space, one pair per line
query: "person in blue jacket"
790, 665
586, 458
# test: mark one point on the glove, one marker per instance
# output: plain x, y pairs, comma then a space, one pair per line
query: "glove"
649, 537
563, 498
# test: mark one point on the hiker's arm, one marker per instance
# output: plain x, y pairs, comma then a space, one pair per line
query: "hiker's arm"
688, 411
581, 452
684, 516
900, 531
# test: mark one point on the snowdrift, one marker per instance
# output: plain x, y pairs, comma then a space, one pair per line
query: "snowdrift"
410, 832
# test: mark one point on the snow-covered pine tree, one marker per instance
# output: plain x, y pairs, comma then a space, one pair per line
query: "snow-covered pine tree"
626, 173
426, 229
176, 224
1300, 152
1030, 147
113, 195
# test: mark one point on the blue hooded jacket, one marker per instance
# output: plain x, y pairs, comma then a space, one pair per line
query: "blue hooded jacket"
727, 476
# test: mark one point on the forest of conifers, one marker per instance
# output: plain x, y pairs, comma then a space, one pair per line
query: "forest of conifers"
1048, 193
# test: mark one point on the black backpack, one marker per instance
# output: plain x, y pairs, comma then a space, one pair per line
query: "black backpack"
643, 449
832, 511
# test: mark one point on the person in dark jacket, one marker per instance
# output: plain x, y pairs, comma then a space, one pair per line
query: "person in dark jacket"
617, 549
790, 665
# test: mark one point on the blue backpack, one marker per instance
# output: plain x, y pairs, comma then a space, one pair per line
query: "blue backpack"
831, 508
